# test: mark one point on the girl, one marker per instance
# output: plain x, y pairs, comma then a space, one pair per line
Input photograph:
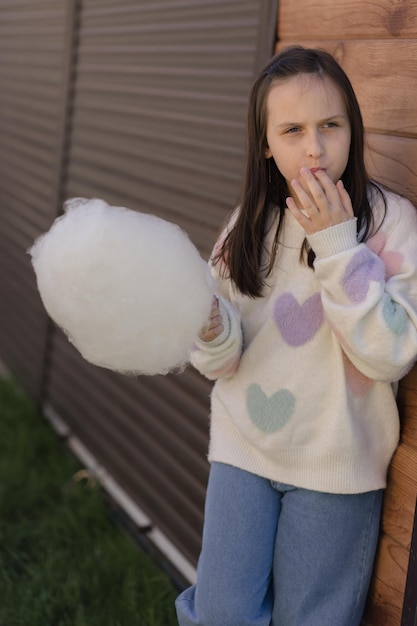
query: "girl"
315, 319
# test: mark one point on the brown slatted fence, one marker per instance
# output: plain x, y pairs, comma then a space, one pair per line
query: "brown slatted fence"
33, 48
157, 125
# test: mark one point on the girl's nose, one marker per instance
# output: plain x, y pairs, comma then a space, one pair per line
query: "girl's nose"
314, 146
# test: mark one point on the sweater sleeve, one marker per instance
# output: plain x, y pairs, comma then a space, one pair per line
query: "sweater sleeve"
369, 291
220, 358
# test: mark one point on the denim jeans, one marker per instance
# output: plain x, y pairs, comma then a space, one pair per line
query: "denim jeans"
276, 554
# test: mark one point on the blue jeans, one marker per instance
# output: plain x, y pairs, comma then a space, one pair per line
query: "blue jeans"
275, 554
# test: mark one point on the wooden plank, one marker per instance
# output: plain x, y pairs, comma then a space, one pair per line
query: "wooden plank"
399, 501
400, 495
383, 76
407, 404
356, 19
385, 82
393, 161
388, 584
404, 465
409, 615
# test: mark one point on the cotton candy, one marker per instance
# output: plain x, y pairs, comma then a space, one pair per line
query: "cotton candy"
129, 289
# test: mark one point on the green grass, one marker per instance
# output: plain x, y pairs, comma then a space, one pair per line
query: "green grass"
63, 561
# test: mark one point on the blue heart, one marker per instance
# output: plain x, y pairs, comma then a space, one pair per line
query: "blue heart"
269, 414
395, 316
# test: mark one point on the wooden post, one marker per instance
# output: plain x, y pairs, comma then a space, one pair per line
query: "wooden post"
409, 616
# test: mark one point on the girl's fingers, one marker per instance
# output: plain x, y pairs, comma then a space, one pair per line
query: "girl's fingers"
214, 326
327, 186
302, 219
325, 196
305, 199
321, 203
336, 195
345, 199
320, 191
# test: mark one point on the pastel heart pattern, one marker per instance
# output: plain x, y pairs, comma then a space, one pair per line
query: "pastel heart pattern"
361, 269
395, 316
392, 260
298, 323
269, 414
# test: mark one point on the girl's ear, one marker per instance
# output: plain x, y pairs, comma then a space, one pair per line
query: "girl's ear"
268, 153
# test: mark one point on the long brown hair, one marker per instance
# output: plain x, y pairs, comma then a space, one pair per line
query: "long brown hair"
264, 188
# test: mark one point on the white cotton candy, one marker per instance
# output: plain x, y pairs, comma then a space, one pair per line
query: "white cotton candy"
129, 289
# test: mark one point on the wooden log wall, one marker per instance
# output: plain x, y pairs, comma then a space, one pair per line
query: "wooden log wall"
376, 44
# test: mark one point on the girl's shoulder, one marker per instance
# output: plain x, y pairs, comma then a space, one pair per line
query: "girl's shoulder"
391, 210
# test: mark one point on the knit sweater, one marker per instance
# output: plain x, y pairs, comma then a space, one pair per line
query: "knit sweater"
305, 389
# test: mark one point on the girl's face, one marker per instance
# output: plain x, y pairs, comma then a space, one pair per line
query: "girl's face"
307, 126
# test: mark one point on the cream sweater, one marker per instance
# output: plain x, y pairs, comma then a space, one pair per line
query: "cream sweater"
304, 392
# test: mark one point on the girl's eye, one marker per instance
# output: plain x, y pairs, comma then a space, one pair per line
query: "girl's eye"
331, 125
292, 130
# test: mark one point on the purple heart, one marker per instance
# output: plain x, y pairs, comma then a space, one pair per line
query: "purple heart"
362, 268
298, 323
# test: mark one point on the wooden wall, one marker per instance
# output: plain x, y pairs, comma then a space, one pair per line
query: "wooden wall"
376, 44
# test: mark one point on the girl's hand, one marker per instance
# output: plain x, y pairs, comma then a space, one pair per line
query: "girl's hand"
325, 205
214, 326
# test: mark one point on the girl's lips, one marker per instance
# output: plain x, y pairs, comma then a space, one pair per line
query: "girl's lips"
313, 170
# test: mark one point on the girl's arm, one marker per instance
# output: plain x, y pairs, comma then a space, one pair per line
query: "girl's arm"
217, 351
369, 291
